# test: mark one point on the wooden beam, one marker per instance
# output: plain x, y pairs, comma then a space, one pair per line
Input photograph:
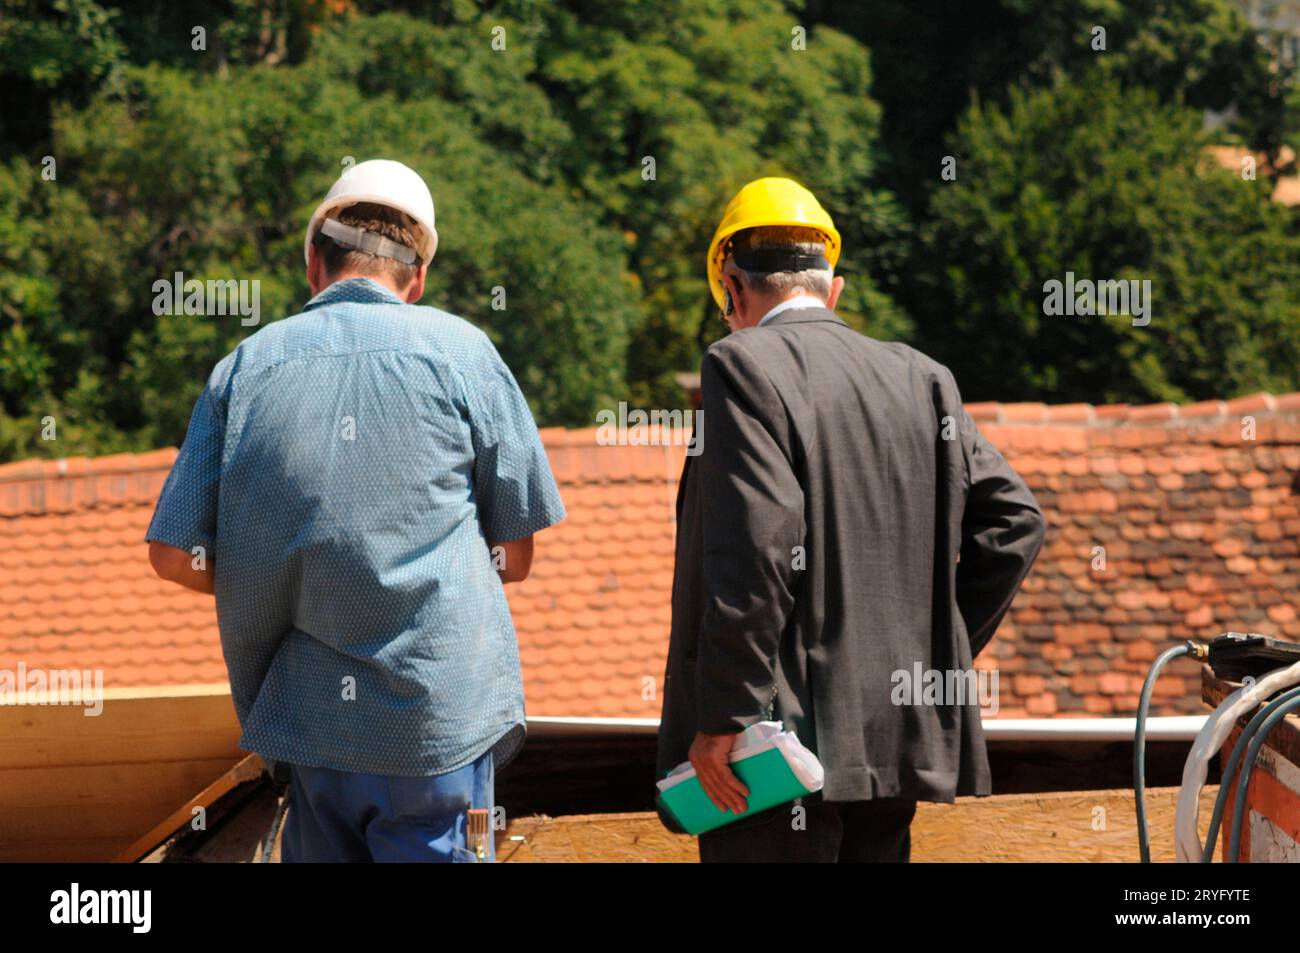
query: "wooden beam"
135, 725
246, 770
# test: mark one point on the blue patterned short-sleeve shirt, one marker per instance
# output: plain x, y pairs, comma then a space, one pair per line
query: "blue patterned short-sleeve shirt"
348, 470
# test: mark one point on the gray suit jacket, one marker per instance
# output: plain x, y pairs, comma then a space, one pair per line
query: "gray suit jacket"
819, 532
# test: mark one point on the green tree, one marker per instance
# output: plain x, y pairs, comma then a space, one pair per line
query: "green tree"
1106, 183
933, 57
714, 95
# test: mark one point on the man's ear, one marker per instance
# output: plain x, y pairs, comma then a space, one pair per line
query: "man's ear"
837, 285
315, 271
415, 290
731, 286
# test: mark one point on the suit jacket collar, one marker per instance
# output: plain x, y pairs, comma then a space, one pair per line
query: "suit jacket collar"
803, 316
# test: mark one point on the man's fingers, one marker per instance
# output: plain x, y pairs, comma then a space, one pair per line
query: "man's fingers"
737, 785
736, 791
716, 794
722, 786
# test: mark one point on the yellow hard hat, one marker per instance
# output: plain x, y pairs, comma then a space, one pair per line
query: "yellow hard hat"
769, 201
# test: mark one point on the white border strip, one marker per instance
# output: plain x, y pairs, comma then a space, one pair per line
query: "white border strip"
1167, 728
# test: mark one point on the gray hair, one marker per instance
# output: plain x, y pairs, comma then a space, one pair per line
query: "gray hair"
806, 241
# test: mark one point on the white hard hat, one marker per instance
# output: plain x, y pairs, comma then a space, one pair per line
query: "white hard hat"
381, 182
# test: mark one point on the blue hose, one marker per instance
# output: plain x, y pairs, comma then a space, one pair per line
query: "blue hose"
1230, 768
1279, 710
1140, 741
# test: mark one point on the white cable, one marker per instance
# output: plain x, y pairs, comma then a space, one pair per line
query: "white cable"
1187, 834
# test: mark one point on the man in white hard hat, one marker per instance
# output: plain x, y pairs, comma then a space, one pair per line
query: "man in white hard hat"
356, 484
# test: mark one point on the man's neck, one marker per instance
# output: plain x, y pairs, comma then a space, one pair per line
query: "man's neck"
787, 304
386, 282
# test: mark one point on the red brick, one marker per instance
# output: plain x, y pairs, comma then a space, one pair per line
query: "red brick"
1140, 651
1251, 405
1024, 413
990, 411
1070, 413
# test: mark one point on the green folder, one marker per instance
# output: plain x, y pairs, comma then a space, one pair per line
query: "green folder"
776, 771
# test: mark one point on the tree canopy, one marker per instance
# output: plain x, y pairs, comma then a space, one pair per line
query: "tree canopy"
580, 153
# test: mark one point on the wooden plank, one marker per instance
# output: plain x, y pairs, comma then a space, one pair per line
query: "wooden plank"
246, 770
81, 850
105, 781
135, 725
96, 802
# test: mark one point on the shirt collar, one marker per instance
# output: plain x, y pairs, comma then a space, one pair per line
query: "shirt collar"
789, 304
354, 290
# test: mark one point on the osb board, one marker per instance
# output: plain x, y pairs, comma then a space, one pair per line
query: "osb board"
1075, 826
594, 838
1066, 826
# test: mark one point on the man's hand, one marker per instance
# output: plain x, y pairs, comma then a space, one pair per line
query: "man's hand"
709, 756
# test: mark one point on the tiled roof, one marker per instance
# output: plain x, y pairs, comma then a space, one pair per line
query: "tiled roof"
76, 588
1200, 527
77, 591
1195, 510
593, 615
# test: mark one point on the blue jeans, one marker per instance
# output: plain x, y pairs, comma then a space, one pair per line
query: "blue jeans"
344, 817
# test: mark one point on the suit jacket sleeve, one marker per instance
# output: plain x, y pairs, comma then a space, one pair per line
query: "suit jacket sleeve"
753, 515
1002, 531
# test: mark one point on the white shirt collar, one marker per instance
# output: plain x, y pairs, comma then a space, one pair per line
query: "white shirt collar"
789, 304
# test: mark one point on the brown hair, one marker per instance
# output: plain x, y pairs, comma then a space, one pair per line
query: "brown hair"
383, 220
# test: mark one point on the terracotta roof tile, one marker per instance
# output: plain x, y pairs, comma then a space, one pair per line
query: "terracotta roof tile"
1199, 526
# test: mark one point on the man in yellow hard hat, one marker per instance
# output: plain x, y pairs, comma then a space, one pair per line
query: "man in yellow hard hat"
820, 527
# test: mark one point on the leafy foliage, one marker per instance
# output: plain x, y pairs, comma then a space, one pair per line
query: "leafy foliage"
1108, 184
581, 171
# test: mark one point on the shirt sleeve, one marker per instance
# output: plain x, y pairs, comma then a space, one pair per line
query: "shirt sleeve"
513, 484
186, 515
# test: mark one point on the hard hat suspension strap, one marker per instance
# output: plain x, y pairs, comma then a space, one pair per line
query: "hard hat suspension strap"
771, 260
349, 236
